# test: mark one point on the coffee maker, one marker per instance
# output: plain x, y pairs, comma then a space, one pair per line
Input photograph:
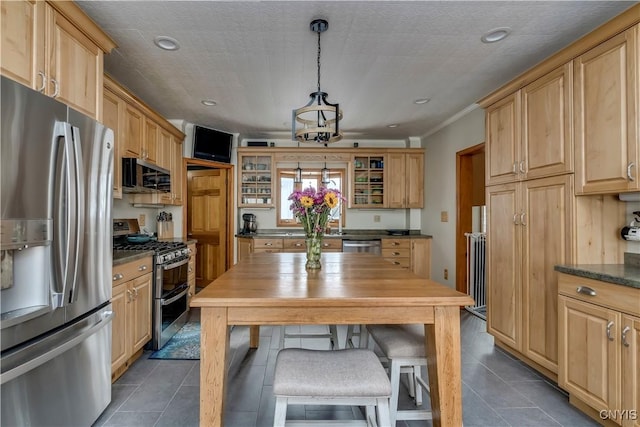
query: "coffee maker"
250, 225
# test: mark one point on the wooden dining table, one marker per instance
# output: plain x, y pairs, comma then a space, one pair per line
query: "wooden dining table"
350, 288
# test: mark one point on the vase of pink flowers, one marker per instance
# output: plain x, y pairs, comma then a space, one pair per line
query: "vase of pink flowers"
313, 210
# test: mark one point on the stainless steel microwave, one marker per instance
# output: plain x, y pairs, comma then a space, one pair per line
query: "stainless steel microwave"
139, 176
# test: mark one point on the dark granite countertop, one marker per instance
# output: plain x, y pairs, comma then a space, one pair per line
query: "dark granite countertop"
123, 257
619, 274
347, 234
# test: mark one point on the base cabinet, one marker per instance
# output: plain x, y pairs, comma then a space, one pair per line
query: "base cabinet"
598, 347
131, 300
191, 272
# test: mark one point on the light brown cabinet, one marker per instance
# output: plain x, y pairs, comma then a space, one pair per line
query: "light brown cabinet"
405, 178
131, 300
44, 47
599, 344
413, 254
113, 109
255, 179
606, 100
367, 181
397, 251
529, 132
421, 257
529, 231
141, 133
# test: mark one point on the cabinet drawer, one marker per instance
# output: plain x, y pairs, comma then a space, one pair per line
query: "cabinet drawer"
396, 253
294, 245
330, 244
125, 272
618, 297
396, 243
266, 250
266, 243
402, 262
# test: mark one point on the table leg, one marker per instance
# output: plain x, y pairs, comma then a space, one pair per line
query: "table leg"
442, 340
254, 336
214, 347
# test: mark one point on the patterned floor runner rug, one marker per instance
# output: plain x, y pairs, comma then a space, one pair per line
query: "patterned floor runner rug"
184, 345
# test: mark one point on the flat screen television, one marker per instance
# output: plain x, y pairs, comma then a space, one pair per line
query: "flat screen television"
211, 144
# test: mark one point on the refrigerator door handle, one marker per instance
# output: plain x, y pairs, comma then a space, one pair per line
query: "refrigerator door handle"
78, 217
63, 210
46, 356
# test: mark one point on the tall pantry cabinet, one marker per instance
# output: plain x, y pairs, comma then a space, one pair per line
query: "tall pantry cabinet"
529, 199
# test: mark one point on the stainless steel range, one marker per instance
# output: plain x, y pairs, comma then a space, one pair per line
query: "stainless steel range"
170, 275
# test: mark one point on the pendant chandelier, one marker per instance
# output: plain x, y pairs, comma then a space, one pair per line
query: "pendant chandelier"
319, 120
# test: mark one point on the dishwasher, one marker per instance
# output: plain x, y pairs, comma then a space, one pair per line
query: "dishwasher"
361, 246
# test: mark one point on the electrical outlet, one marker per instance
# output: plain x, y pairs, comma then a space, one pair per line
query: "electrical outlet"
142, 218
376, 218
444, 216
446, 274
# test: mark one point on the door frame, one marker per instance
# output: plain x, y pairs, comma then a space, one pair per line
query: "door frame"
464, 180
230, 224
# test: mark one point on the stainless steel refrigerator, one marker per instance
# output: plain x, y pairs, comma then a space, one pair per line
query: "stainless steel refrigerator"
56, 168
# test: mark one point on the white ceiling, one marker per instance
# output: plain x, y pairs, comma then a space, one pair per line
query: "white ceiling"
257, 59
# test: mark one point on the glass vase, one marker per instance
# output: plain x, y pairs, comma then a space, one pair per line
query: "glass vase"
314, 250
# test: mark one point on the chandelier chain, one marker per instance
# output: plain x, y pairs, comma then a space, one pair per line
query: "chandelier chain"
319, 51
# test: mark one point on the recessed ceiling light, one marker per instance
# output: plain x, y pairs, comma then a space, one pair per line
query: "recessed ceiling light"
209, 102
166, 43
495, 35
394, 125
422, 100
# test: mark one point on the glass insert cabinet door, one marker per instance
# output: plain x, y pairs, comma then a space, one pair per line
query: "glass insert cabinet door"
256, 183
310, 178
368, 181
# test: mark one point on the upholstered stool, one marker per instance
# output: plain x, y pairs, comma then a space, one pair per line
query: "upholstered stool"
352, 377
403, 346
332, 335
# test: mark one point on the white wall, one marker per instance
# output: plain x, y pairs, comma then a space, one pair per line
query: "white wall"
440, 188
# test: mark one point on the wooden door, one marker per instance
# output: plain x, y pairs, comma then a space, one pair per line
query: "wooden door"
606, 116
546, 242
177, 172
503, 140
150, 141
207, 221
75, 67
133, 128
397, 180
141, 311
631, 369
504, 303
590, 366
421, 257
546, 125
119, 334
414, 178
113, 117
22, 42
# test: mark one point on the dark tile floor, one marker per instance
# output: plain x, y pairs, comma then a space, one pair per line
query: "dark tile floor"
498, 390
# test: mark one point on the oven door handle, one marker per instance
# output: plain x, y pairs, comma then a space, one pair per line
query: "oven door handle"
183, 289
175, 264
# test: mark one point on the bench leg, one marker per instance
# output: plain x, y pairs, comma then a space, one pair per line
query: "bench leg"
280, 415
394, 373
384, 415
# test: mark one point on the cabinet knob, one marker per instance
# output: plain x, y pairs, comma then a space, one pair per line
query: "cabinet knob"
609, 326
56, 88
268, 244
142, 268
117, 276
523, 215
298, 244
515, 219
396, 253
521, 167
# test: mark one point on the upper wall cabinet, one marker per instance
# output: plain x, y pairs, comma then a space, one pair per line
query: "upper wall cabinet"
606, 116
142, 133
529, 132
53, 47
406, 179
